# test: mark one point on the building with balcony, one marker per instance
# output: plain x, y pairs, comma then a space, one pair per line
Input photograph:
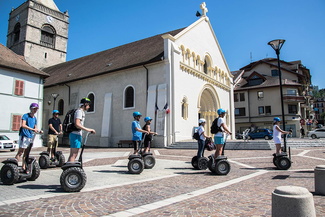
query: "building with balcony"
257, 95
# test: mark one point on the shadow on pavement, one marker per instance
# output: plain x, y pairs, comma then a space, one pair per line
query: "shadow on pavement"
112, 171
51, 188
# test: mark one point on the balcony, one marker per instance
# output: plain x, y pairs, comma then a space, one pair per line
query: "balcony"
293, 98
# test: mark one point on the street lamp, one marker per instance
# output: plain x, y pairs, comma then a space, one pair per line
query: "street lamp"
54, 95
277, 45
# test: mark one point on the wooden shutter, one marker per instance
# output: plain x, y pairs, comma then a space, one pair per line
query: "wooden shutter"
16, 121
19, 87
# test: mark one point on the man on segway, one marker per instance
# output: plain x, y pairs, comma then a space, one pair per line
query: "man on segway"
55, 129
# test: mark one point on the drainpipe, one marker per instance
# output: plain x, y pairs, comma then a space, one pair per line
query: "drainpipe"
69, 93
147, 80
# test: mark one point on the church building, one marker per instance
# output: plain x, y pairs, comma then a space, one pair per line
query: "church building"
175, 78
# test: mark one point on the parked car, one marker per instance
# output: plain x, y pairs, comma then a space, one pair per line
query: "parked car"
260, 133
317, 133
7, 144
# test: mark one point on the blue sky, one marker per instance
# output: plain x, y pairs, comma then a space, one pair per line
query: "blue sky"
243, 27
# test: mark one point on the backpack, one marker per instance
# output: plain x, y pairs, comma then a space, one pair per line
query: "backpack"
68, 123
214, 127
196, 136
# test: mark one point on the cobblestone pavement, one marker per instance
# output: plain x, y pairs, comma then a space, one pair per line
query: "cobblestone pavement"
171, 188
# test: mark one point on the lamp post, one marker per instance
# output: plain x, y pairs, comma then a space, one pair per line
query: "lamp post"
277, 45
54, 95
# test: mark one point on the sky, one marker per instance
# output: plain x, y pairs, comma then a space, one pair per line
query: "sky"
243, 27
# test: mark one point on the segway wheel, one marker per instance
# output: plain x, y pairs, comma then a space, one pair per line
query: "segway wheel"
211, 165
44, 161
149, 161
35, 173
61, 160
136, 166
202, 163
9, 174
222, 167
283, 163
194, 162
73, 179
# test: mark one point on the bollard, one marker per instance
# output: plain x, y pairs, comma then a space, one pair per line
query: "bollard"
320, 179
292, 201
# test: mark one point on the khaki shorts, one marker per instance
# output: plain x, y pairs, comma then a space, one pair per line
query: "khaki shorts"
52, 141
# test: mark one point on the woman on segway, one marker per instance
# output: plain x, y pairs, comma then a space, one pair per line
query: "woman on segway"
277, 135
148, 139
203, 136
219, 136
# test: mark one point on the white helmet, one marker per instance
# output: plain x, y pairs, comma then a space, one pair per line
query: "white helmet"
202, 120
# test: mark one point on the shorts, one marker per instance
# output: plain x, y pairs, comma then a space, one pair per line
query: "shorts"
219, 140
24, 142
75, 140
277, 140
52, 141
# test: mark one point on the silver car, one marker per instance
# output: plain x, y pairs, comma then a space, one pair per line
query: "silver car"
317, 133
7, 144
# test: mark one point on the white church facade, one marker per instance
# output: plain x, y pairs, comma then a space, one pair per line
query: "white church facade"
175, 78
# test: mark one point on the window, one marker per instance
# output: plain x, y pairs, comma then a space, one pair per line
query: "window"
255, 81
292, 109
236, 97
184, 109
19, 87
240, 112
206, 65
292, 92
48, 36
268, 110
91, 96
16, 121
260, 95
129, 97
242, 97
261, 110
61, 107
274, 72
16, 33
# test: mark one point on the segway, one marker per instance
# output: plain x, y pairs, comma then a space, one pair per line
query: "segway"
283, 160
219, 165
73, 177
45, 161
201, 163
11, 173
140, 161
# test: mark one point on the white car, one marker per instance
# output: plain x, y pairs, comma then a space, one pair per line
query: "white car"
317, 133
7, 144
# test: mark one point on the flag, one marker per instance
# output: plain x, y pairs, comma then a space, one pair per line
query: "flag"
166, 108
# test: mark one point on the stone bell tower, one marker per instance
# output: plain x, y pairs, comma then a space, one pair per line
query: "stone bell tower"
38, 31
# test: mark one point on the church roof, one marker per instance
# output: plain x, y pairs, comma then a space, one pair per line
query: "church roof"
13, 61
126, 56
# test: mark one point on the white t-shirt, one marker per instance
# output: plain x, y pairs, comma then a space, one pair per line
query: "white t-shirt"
200, 131
220, 121
79, 114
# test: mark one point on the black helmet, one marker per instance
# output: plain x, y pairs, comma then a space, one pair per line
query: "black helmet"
85, 100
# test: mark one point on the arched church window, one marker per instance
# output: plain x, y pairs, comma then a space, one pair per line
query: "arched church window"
61, 107
16, 32
91, 96
206, 65
129, 97
48, 36
184, 108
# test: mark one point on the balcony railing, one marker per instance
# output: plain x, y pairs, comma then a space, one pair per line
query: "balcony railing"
293, 98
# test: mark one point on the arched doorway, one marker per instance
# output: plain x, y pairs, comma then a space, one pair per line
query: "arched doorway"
208, 105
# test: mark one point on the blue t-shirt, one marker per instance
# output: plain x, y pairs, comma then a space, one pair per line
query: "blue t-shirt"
136, 134
31, 122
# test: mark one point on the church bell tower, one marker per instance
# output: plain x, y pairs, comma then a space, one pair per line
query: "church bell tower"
38, 31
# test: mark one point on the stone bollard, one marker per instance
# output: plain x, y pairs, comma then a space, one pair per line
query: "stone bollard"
292, 201
320, 179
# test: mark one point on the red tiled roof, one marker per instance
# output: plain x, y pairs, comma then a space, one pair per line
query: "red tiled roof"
11, 60
130, 55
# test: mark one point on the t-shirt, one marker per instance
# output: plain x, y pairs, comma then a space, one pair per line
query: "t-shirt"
136, 135
276, 133
79, 114
56, 122
220, 122
201, 130
31, 122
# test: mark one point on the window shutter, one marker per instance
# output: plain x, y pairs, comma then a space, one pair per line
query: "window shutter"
16, 121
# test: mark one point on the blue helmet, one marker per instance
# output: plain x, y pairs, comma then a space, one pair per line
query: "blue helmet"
221, 111
276, 119
147, 119
136, 114
55, 111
